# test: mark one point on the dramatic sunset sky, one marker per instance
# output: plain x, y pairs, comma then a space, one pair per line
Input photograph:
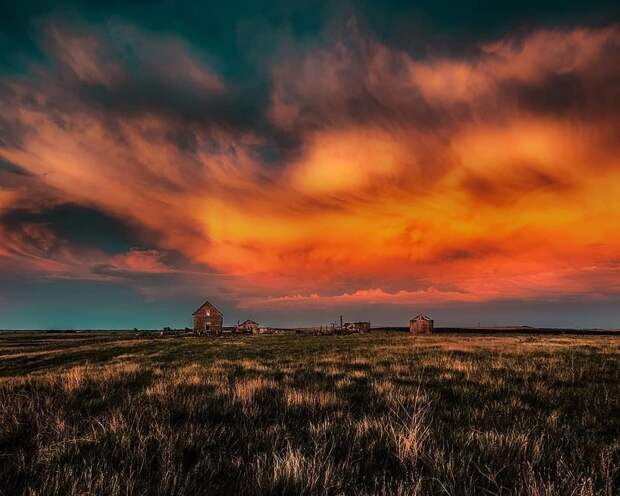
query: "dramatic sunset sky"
292, 161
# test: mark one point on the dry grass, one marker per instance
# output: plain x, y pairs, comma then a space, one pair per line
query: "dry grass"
368, 414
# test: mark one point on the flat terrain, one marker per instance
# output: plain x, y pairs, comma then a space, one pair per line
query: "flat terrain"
110, 414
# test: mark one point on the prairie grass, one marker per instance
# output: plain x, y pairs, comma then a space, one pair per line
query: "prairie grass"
370, 414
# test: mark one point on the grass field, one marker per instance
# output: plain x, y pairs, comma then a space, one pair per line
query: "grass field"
108, 414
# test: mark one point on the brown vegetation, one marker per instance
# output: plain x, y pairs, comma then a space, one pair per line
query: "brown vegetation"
107, 414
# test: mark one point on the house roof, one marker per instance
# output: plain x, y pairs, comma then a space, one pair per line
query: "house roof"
421, 316
246, 322
206, 304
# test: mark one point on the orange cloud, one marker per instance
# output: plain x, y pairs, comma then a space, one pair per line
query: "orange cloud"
412, 181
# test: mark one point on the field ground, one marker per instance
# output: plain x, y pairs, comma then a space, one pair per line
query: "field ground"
108, 414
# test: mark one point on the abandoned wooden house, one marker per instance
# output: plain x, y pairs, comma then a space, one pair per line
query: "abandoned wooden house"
421, 324
208, 319
247, 326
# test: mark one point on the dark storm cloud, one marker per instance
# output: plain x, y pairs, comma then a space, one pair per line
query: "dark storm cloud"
7, 167
223, 36
589, 92
140, 95
11, 131
79, 225
353, 79
349, 79
117, 72
122, 70
21, 183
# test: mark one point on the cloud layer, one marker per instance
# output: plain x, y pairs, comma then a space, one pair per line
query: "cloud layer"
356, 173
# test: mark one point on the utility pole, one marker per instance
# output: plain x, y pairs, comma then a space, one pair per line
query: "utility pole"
341, 322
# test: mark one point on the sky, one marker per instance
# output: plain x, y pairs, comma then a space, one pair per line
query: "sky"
296, 161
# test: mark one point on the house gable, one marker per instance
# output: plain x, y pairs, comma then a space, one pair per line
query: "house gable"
207, 308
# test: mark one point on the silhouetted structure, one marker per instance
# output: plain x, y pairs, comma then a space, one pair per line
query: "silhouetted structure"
421, 324
208, 320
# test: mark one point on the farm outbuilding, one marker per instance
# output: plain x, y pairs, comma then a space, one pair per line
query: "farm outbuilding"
361, 326
208, 319
265, 330
247, 326
421, 324
356, 327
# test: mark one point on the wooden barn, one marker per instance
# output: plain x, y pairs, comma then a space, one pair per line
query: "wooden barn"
247, 326
421, 324
208, 319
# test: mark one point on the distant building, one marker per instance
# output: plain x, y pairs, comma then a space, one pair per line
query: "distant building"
362, 326
356, 327
421, 324
247, 326
208, 320
264, 330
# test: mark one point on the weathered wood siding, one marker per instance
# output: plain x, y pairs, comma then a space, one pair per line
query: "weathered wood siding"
420, 326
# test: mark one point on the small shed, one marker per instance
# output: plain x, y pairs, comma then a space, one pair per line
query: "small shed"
208, 319
248, 326
421, 324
